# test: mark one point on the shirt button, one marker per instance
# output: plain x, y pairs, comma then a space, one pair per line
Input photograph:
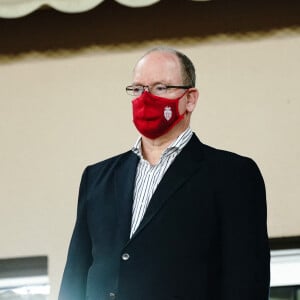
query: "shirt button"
125, 256
112, 296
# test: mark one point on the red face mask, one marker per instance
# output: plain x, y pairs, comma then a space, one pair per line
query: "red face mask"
154, 116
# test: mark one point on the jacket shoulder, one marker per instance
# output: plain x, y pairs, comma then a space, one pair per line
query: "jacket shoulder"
223, 161
229, 164
109, 164
216, 154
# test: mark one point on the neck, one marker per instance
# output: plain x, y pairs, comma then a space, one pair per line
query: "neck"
152, 149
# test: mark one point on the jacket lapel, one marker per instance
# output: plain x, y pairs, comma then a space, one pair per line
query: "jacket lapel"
183, 167
124, 181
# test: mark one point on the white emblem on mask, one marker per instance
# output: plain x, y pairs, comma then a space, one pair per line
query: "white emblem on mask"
168, 113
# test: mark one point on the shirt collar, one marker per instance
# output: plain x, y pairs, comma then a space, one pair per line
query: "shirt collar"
176, 146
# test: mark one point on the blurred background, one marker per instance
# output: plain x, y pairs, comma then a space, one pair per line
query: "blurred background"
63, 71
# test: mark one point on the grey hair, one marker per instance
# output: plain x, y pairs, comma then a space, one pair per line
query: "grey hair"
187, 67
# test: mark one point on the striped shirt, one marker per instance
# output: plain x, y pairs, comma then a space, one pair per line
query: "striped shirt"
149, 176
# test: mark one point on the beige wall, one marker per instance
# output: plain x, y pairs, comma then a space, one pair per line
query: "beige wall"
61, 112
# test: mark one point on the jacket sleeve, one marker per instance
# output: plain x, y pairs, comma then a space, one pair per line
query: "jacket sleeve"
73, 286
245, 255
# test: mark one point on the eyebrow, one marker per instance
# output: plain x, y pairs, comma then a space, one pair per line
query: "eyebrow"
156, 82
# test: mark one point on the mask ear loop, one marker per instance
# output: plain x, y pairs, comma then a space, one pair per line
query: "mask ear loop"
181, 116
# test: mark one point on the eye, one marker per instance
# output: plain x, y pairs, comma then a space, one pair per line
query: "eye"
137, 89
159, 89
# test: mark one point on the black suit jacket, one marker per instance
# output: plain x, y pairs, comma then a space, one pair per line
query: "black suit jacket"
203, 236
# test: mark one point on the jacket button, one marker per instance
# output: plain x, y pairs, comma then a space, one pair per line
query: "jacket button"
112, 296
125, 256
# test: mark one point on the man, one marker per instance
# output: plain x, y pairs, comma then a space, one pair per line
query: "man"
172, 218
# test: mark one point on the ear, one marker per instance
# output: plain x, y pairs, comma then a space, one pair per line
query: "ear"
192, 98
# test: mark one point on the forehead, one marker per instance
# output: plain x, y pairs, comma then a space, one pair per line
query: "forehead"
157, 67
